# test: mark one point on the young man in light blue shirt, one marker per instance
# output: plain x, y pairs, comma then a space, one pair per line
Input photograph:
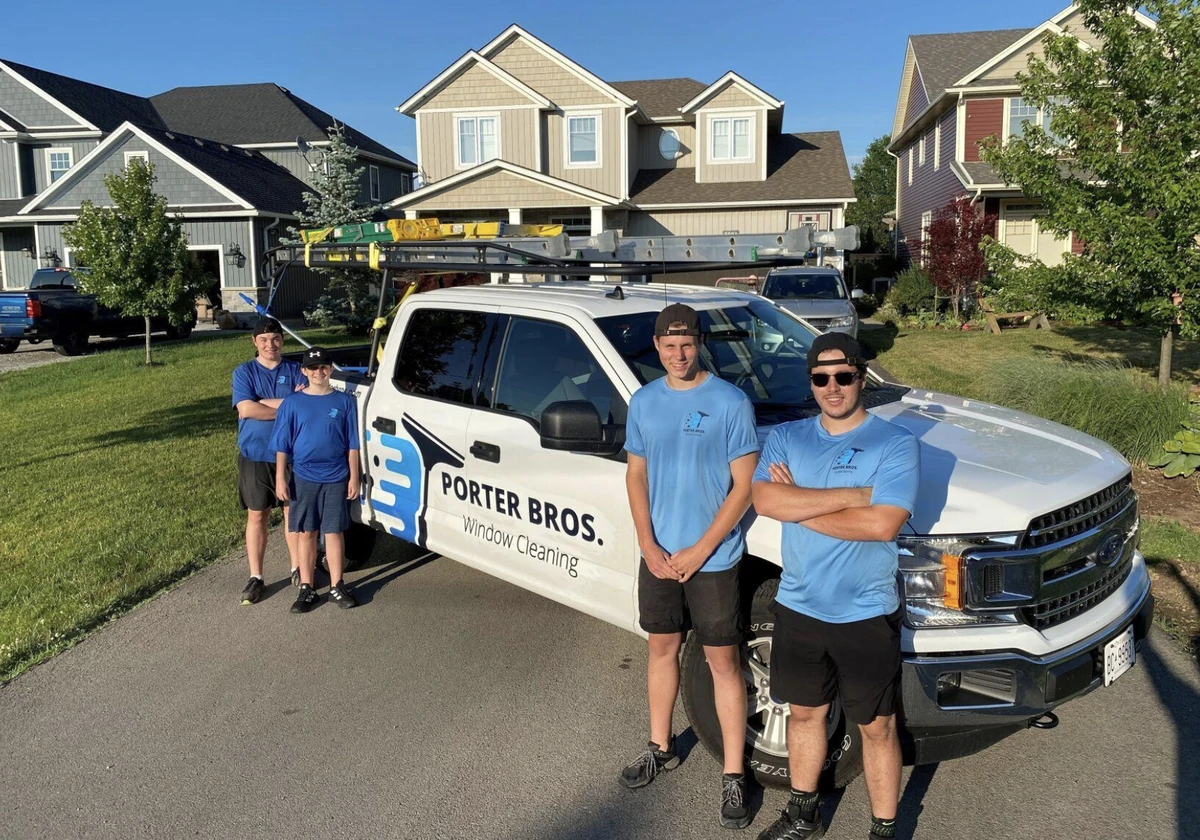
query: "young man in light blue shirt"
692, 446
843, 484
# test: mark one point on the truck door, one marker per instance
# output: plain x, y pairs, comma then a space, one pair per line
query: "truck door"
554, 522
415, 428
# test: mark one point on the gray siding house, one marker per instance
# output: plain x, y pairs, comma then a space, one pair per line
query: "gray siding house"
225, 158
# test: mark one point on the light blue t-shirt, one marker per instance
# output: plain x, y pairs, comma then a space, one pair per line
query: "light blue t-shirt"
254, 381
317, 430
688, 439
823, 577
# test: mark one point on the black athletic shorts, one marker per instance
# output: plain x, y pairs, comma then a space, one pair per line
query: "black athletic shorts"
709, 599
812, 661
256, 484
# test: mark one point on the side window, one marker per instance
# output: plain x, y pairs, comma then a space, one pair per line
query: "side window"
543, 363
441, 354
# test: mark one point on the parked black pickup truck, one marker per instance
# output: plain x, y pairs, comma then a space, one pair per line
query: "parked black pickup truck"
53, 309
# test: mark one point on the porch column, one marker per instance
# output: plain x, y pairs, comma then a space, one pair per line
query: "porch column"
410, 214
514, 215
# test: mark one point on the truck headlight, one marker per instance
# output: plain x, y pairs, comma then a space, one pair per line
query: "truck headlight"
842, 321
931, 569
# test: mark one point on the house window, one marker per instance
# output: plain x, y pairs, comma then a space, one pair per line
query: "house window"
911, 151
373, 176
583, 140
926, 221
668, 144
818, 219
478, 140
937, 146
730, 139
1019, 113
58, 161
574, 225
921, 155
144, 157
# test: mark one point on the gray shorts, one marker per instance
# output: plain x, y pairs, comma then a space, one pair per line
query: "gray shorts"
319, 507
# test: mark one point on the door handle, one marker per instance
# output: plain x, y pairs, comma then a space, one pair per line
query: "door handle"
486, 451
383, 424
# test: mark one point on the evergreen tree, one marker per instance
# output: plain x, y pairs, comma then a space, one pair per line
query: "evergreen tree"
875, 189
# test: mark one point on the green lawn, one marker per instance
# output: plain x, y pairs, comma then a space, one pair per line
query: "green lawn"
117, 480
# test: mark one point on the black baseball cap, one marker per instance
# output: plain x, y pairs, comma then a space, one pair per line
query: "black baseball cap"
850, 348
314, 356
677, 313
267, 325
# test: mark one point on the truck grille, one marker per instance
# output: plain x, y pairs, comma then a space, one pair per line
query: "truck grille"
1064, 608
1080, 516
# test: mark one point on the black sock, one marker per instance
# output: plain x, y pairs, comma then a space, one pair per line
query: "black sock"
883, 828
803, 805
734, 776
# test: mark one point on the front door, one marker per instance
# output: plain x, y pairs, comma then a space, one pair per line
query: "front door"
554, 522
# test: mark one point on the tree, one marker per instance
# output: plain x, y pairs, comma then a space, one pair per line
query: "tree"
333, 201
952, 253
875, 188
136, 255
1118, 166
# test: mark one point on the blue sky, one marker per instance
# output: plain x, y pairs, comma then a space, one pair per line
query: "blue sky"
836, 64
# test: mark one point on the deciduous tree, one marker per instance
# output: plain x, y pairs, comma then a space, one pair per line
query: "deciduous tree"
875, 189
952, 253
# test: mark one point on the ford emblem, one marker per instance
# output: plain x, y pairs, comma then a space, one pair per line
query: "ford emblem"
1110, 550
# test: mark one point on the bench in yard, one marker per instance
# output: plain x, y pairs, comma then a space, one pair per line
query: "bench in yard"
1037, 320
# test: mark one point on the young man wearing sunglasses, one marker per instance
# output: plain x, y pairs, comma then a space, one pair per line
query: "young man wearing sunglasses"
692, 446
843, 484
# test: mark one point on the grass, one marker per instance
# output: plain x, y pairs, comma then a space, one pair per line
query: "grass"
117, 480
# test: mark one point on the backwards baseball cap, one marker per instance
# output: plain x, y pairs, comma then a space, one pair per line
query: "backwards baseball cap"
267, 325
851, 350
677, 313
316, 356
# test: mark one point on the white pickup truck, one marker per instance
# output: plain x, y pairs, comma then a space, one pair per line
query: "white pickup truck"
492, 434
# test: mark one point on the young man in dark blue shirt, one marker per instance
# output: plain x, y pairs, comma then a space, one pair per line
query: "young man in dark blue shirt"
318, 429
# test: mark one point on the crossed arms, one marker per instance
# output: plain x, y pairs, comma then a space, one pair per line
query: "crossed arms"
845, 513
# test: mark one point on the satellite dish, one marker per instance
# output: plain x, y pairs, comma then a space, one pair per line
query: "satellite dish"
302, 145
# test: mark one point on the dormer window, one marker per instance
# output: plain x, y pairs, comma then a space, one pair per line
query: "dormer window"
58, 161
478, 140
729, 139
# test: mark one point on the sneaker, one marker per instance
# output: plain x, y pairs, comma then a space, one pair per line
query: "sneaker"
254, 591
649, 764
790, 826
306, 599
341, 596
295, 578
734, 813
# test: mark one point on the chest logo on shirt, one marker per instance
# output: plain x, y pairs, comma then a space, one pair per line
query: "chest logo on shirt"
282, 379
844, 460
333, 412
691, 426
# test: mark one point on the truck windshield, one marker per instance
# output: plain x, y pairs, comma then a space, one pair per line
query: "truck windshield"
755, 346
798, 286
47, 277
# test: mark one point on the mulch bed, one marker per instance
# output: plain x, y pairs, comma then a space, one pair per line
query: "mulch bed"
1176, 582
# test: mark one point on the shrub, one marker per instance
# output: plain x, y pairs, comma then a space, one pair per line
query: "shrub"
912, 292
1106, 400
866, 305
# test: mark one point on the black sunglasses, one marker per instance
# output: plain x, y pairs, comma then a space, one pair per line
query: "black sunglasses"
842, 377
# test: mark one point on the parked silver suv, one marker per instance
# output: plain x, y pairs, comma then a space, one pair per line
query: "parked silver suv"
817, 294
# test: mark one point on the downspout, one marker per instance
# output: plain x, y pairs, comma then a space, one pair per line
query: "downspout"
896, 209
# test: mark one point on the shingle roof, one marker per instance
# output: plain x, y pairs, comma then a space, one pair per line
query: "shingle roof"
944, 59
799, 166
661, 97
254, 113
103, 107
10, 206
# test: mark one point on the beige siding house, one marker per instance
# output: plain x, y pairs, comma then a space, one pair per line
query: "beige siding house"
516, 131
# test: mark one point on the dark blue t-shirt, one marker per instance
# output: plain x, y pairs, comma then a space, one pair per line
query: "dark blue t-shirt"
317, 431
253, 381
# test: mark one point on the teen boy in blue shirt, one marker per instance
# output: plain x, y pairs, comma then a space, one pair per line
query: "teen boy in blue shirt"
692, 446
843, 484
318, 428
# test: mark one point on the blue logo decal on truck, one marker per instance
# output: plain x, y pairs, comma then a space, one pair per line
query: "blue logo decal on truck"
407, 469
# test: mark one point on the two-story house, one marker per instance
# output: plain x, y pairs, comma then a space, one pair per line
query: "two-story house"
225, 158
957, 89
516, 131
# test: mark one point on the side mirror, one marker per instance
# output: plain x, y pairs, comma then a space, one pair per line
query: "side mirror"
574, 426
857, 294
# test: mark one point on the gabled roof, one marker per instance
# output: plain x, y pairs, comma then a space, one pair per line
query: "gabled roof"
245, 177
99, 107
944, 59
255, 114
498, 165
731, 78
470, 59
661, 97
800, 168
493, 46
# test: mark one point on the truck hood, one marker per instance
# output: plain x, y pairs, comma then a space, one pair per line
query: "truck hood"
816, 308
985, 469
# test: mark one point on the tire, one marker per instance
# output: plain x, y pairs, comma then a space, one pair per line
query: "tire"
175, 333
9, 345
360, 545
766, 726
71, 341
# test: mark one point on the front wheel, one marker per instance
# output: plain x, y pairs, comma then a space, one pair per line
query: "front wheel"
766, 725
9, 345
72, 341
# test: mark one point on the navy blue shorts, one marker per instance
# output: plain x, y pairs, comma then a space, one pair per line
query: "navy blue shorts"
319, 507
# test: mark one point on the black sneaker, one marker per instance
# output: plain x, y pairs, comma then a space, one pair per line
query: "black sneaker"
341, 596
295, 578
254, 591
306, 599
648, 765
790, 826
734, 813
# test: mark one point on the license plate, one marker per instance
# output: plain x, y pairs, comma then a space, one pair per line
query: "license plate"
1118, 656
